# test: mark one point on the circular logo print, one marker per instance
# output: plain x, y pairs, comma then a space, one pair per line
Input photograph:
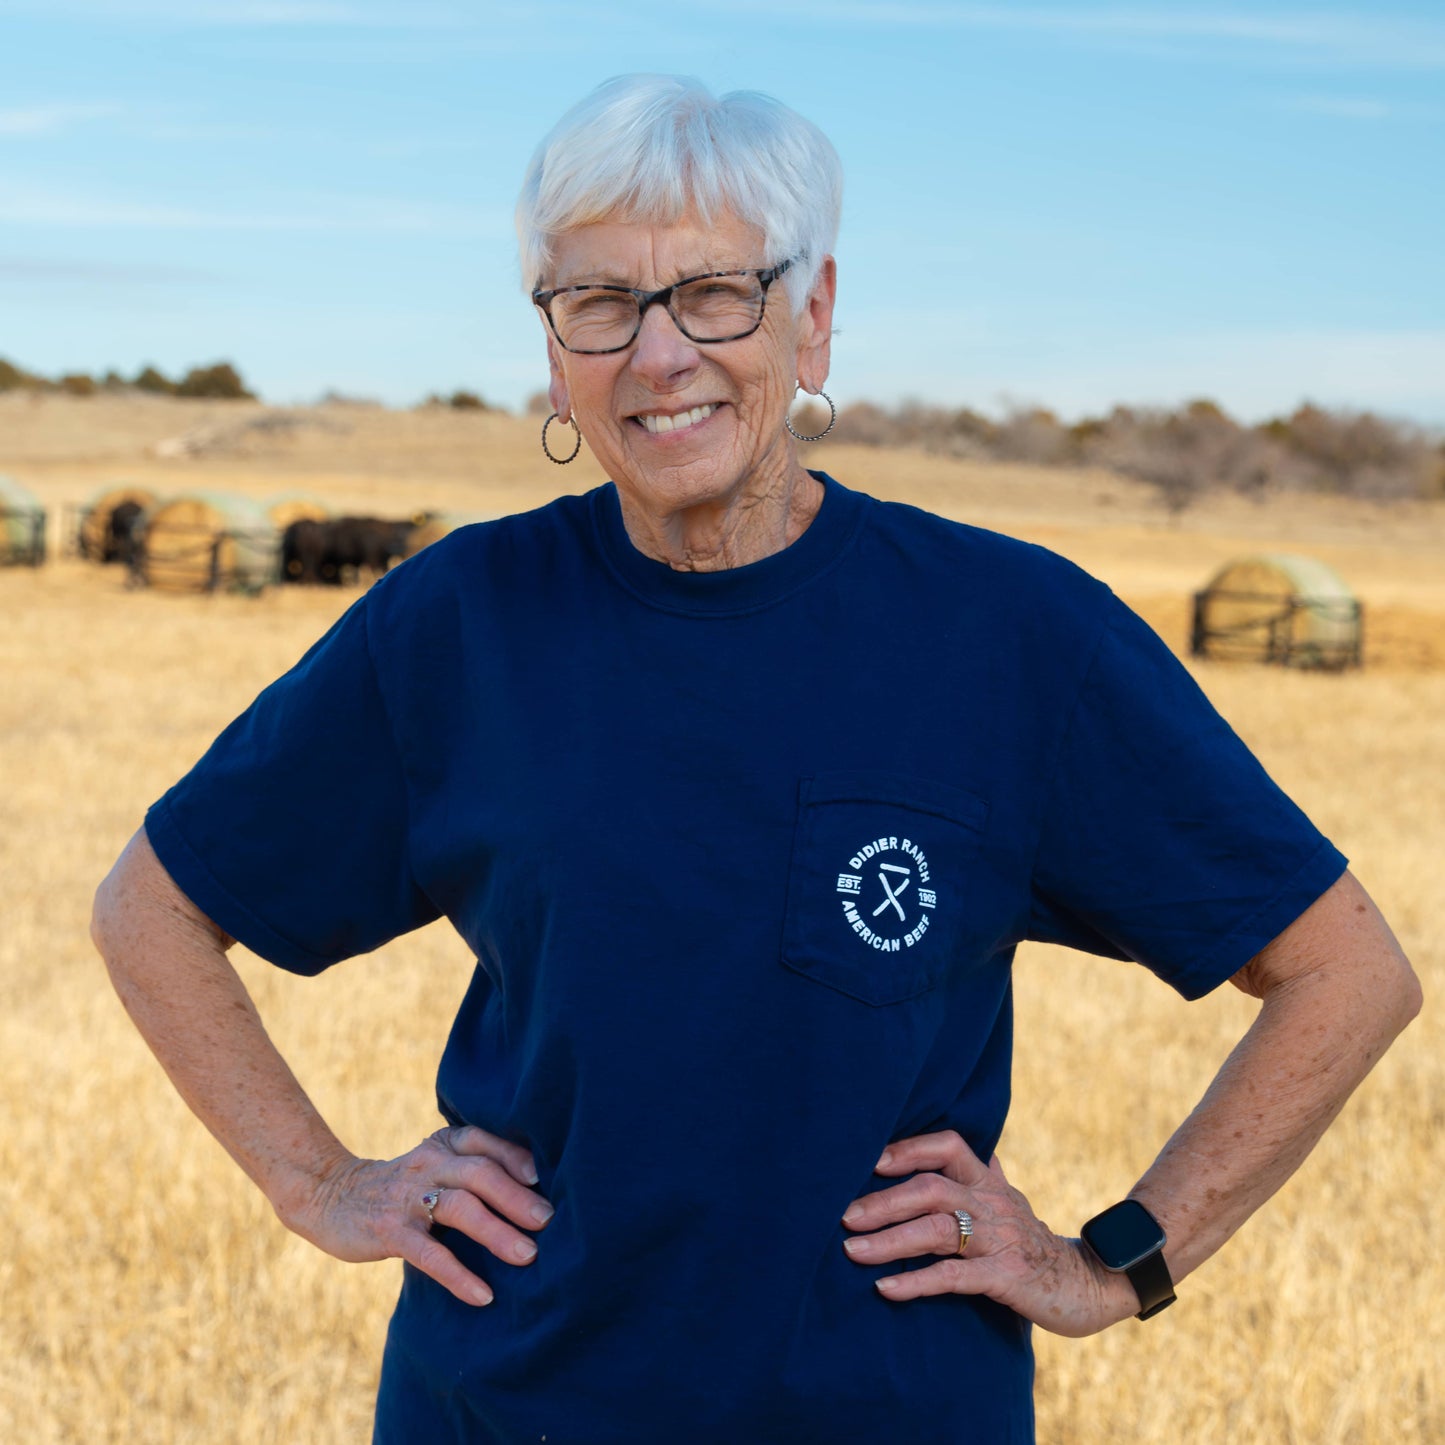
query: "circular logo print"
885, 894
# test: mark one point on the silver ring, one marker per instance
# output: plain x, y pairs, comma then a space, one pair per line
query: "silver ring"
965, 1228
429, 1202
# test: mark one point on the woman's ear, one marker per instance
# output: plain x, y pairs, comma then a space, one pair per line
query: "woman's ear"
815, 329
557, 392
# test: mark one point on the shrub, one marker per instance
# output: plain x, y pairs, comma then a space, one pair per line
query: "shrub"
77, 383
220, 382
1032, 434
153, 381
12, 378
467, 401
1182, 452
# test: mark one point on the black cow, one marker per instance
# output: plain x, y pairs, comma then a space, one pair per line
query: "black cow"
304, 553
341, 550
116, 543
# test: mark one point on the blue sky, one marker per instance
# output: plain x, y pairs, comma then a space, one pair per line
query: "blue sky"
1068, 204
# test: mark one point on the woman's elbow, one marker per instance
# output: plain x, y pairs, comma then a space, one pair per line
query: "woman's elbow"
103, 909
1409, 995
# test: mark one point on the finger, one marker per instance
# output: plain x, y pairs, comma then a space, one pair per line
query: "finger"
497, 1189
461, 1210
469, 1139
931, 1234
948, 1276
437, 1262
945, 1151
923, 1194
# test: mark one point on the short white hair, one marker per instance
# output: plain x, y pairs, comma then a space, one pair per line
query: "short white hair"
652, 148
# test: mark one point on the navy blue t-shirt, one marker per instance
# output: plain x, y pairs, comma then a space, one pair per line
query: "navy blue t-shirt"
743, 858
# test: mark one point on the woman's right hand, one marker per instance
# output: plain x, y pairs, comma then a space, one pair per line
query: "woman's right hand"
371, 1209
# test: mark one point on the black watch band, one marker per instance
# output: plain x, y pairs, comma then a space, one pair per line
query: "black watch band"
1126, 1239
1152, 1283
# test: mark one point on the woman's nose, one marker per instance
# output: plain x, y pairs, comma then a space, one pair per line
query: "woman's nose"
661, 352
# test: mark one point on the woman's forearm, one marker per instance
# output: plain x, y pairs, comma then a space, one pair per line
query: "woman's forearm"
168, 963
1335, 990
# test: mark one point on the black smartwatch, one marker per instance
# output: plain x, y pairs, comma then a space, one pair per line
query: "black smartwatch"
1127, 1239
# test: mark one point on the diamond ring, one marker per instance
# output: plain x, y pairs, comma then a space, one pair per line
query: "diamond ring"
965, 1228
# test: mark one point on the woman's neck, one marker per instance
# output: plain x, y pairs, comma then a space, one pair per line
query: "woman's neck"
756, 520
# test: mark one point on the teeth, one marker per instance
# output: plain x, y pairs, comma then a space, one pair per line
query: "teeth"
658, 424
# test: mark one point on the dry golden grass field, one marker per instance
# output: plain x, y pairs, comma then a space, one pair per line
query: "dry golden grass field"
148, 1294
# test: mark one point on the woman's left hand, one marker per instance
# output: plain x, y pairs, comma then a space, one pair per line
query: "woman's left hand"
1013, 1257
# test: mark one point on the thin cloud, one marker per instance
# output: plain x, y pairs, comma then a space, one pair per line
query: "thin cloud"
51, 119
1351, 40
343, 214
24, 268
1341, 107
276, 14
1344, 107
1346, 39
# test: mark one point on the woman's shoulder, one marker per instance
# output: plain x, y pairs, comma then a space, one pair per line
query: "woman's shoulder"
471, 549
972, 558
475, 567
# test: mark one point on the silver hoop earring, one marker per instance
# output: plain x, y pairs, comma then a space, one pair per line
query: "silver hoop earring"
832, 417
561, 461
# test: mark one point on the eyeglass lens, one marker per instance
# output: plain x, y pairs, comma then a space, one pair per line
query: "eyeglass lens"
712, 308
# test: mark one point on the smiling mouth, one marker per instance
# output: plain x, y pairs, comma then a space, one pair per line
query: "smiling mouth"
680, 421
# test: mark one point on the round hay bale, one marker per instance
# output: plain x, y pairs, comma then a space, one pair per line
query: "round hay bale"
1279, 607
438, 525
22, 524
295, 507
205, 541
95, 521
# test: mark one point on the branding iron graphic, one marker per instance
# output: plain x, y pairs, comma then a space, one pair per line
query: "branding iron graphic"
885, 898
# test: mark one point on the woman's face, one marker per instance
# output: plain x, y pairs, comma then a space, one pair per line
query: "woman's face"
739, 445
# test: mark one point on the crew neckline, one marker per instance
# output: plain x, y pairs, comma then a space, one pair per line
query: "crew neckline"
732, 589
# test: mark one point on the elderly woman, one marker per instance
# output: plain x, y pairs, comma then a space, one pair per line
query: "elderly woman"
742, 787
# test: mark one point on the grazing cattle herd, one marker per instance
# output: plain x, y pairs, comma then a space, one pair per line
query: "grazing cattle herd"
341, 549
212, 541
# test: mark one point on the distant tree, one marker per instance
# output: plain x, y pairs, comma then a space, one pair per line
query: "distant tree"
12, 378
1206, 412
1360, 453
77, 383
1033, 434
219, 382
154, 381
865, 424
539, 404
467, 401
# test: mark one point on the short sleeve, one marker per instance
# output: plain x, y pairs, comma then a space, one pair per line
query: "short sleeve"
291, 832
1163, 839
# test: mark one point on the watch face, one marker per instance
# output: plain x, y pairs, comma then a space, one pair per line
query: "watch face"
1123, 1235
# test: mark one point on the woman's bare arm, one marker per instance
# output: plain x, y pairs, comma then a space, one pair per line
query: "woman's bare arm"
1335, 989
168, 963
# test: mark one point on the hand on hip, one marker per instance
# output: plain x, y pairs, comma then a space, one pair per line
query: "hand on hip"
1010, 1255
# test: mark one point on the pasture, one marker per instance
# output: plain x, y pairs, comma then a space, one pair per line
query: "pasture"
149, 1295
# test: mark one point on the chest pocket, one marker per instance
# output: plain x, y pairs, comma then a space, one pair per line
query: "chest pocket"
875, 898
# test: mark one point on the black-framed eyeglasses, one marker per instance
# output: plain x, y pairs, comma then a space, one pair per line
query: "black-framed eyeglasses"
716, 306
